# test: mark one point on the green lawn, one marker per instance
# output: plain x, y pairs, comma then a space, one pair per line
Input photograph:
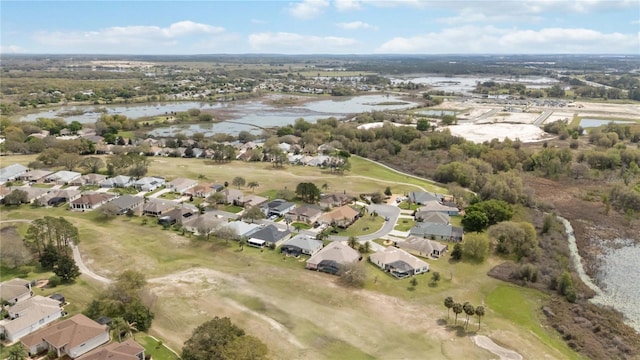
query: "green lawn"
521, 305
170, 196
300, 225
232, 208
408, 206
89, 187
124, 191
154, 348
42, 186
365, 167
154, 191
456, 220
404, 224
365, 225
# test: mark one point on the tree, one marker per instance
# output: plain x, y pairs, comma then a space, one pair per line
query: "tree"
476, 247
17, 352
480, 314
66, 268
69, 161
365, 247
352, 275
387, 191
49, 257
448, 303
242, 242
353, 242
216, 339
435, 277
120, 326
308, 192
469, 310
456, 254
16, 197
252, 185
238, 182
457, 309
495, 210
253, 213
475, 221
92, 164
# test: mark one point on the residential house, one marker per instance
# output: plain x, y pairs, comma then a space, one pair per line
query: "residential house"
12, 172
278, 207
181, 185
126, 350
202, 190
15, 290
89, 179
71, 337
157, 207
202, 224
28, 316
148, 183
319, 160
398, 262
434, 217
437, 231
270, 234
218, 187
332, 257
334, 200
126, 203
241, 228
342, 216
91, 201
177, 215
231, 196
436, 206
301, 244
120, 181
307, 214
63, 177
35, 176
423, 197
33, 193
422, 247
251, 200
59, 197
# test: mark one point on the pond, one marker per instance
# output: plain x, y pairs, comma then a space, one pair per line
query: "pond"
436, 112
590, 123
252, 115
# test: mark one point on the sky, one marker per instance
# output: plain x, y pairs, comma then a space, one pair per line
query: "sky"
320, 27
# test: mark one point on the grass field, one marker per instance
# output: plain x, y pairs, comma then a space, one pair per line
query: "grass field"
363, 226
270, 296
404, 224
154, 348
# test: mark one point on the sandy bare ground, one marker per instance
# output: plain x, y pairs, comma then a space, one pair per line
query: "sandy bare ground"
488, 344
486, 132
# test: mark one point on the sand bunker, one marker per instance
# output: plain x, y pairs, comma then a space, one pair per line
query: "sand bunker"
488, 344
487, 132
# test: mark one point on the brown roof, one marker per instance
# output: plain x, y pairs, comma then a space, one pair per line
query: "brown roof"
340, 213
92, 199
117, 351
71, 332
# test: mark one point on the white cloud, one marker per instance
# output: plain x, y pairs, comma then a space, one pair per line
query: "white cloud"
11, 49
490, 39
291, 43
308, 8
356, 25
128, 36
346, 5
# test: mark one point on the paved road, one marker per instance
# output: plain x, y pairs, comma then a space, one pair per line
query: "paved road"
389, 211
542, 117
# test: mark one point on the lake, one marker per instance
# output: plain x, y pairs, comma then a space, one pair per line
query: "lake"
464, 84
254, 113
590, 123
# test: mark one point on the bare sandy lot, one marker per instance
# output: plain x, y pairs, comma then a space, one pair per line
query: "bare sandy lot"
486, 132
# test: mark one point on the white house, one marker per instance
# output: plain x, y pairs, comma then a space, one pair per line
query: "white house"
181, 185
15, 290
28, 316
398, 262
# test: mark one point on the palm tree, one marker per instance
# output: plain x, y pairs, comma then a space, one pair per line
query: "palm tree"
352, 242
469, 310
252, 185
325, 186
365, 248
480, 313
448, 303
457, 309
242, 243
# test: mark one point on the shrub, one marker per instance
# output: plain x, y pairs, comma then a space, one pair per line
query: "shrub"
54, 281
